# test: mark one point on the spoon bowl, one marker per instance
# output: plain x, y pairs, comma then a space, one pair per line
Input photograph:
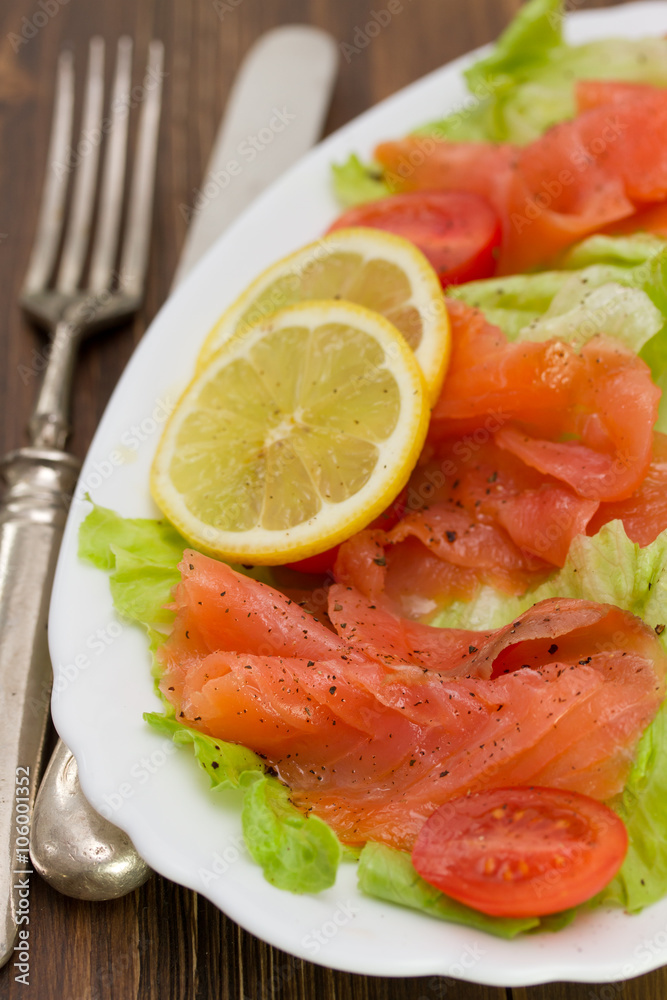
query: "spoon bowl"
73, 848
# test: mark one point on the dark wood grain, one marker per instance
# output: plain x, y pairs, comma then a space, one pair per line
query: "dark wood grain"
163, 941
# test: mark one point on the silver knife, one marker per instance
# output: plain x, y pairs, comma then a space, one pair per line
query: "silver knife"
274, 114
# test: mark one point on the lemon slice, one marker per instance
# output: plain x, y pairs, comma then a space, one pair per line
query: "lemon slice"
375, 269
298, 433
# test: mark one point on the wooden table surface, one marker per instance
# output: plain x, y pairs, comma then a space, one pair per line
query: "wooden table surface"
163, 941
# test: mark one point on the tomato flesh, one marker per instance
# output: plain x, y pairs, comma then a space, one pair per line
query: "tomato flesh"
458, 232
521, 852
324, 561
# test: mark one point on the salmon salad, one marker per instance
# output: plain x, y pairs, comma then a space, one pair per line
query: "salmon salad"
463, 694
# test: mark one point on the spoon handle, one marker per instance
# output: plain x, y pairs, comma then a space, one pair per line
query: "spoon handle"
39, 485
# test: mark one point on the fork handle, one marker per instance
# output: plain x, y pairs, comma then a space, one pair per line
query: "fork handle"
39, 484
49, 425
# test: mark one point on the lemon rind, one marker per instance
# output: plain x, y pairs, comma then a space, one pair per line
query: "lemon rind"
432, 353
398, 453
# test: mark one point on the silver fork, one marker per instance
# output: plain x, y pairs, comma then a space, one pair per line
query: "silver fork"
40, 478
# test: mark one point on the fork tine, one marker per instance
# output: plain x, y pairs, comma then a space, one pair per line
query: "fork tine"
134, 255
83, 198
51, 211
105, 246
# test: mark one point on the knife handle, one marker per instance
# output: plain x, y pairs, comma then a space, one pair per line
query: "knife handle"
39, 485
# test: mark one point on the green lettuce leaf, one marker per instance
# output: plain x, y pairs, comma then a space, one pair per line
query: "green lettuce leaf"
496, 109
526, 84
528, 41
638, 261
642, 806
580, 310
611, 569
224, 763
602, 282
514, 302
140, 589
295, 852
624, 251
355, 182
606, 567
104, 532
142, 555
655, 355
572, 306
389, 874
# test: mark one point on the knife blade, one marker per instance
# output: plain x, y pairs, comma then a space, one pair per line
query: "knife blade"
274, 114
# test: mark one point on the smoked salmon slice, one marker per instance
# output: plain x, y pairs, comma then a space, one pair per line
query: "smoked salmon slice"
530, 444
531, 396
644, 514
256, 619
649, 220
374, 745
408, 578
374, 631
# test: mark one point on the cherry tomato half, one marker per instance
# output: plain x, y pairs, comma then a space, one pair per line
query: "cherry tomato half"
521, 852
324, 561
456, 231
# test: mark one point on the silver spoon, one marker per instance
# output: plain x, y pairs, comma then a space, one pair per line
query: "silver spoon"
76, 850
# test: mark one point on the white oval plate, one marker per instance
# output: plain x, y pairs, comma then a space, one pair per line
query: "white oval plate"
102, 668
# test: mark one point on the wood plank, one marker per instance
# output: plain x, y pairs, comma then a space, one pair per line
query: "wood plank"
163, 941
648, 987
